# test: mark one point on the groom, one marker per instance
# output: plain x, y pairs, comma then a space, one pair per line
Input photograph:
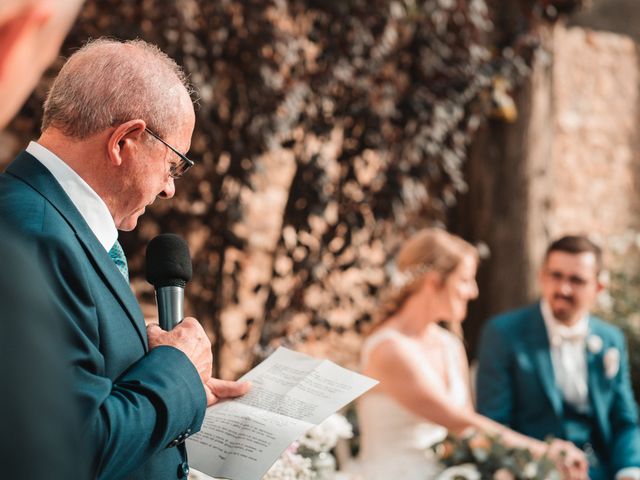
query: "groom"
553, 368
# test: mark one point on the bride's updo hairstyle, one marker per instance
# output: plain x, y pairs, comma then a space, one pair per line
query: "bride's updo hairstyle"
429, 250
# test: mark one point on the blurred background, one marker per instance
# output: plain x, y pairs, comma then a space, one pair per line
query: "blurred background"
329, 130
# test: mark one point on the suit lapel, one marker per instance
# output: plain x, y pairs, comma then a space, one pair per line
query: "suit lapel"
32, 172
595, 376
541, 354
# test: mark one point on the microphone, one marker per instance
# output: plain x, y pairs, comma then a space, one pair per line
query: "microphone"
168, 270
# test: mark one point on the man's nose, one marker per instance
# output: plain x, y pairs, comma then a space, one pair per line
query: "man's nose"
169, 189
565, 287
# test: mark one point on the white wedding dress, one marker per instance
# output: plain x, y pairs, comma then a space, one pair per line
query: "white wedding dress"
394, 442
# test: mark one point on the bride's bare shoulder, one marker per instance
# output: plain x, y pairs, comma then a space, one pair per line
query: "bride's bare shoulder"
388, 346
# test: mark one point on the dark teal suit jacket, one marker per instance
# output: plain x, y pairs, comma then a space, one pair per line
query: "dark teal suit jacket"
516, 384
137, 406
38, 416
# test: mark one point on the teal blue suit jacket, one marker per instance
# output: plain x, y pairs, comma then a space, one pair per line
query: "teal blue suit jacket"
516, 384
137, 406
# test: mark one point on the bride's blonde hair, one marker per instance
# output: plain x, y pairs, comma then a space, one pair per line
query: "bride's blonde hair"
429, 250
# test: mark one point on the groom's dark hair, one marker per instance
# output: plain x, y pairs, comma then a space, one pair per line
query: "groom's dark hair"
576, 244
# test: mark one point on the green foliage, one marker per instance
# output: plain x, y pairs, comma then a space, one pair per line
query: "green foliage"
488, 454
325, 131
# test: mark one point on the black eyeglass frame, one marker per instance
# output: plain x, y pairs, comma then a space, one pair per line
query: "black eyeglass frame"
176, 170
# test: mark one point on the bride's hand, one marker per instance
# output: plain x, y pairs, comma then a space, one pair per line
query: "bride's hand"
570, 460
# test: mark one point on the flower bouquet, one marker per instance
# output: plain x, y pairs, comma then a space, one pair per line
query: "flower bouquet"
485, 457
310, 458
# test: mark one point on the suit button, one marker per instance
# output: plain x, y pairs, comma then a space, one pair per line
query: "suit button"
173, 443
183, 470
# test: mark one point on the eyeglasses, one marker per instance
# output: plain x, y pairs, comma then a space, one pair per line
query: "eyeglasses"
176, 169
575, 281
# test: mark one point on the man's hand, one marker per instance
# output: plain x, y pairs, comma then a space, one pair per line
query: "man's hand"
190, 338
570, 460
220, 389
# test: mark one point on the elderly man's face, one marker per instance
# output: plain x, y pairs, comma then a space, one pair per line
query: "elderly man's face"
31, 32
569, 284
149, 176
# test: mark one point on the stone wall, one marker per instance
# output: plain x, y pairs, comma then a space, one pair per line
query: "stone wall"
595, 154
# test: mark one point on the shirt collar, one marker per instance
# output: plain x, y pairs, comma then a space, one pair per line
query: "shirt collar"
92, 208
556, 330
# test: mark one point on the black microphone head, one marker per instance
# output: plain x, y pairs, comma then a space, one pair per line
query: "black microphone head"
168, 261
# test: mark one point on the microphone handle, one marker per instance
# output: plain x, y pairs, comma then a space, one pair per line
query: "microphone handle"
170, 306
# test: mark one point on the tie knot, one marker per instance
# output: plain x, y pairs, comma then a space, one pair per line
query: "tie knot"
117, 255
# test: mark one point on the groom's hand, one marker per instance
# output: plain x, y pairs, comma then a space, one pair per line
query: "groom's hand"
570, 460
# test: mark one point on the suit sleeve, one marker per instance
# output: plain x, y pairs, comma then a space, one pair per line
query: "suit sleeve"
493, 382
129, 419
623, 417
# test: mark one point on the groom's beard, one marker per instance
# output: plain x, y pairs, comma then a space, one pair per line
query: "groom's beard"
563, 307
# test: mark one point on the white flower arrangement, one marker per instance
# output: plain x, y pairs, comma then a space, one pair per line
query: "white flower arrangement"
290, 466
325, 436
308, 458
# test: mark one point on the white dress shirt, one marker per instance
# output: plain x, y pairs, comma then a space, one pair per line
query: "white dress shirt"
569, 360
569, 357
84, 198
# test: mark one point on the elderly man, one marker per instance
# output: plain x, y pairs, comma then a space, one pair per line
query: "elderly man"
555, 369
115, 121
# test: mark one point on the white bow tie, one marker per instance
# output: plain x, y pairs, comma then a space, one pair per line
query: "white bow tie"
561, 334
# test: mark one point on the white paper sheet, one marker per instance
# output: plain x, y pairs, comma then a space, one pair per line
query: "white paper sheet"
291, 392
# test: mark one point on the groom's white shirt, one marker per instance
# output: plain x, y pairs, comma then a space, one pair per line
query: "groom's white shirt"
569, 357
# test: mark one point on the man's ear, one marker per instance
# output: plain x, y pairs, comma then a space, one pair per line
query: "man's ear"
17, 26
124, 140
603, 280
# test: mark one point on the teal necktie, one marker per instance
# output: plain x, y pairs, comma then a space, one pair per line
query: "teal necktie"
117, 255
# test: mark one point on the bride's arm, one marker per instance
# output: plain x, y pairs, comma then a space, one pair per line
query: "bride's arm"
417, 387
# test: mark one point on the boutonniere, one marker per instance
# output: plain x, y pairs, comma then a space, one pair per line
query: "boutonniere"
594, 344
611, 362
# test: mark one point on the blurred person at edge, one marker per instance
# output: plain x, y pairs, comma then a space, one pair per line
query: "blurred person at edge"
424, 390
31, 33
37, 411
553, 368
115, 121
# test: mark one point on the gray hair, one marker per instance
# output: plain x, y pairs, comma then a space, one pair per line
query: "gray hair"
108, 82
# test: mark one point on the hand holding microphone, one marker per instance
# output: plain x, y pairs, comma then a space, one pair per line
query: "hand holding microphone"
168, 270
188, 337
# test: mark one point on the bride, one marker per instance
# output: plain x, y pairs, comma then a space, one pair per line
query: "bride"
422, 367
